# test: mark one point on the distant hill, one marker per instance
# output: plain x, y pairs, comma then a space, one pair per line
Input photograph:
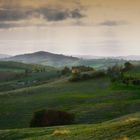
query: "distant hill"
4, 56
59, 60
129, 57
17, 66
45, 58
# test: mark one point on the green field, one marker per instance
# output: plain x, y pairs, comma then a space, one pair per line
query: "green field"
98, 104
124, 128
13, 75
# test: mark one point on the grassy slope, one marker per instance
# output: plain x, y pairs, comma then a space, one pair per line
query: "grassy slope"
98, 102
124, 128
12, 75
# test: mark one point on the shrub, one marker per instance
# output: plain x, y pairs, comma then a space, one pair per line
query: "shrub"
136, 82
98, 74
82, 68
65, 71
75, 77
86, 76
44, 118
127, 66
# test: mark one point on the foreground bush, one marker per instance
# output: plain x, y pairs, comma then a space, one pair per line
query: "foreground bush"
44, 118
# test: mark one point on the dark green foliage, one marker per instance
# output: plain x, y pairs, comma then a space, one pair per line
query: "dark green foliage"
87, 75
127, 66
99, 74
75, 77
65, 71
131, 80
83, 68
128, 74
44, 118
115, 73
136, 82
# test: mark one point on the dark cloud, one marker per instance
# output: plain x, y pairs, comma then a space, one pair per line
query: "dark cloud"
12, 14
55, 15
111, 23
49, 14
76, 14
58, 14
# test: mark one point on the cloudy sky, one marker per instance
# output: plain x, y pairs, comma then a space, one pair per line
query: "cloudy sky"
90, 27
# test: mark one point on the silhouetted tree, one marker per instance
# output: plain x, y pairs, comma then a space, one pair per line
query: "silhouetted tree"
127, 66
51, 117
65, 71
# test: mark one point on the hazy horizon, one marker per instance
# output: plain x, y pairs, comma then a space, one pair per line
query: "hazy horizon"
73, 55
75, 27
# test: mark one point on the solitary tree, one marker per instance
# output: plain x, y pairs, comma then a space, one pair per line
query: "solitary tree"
51, 117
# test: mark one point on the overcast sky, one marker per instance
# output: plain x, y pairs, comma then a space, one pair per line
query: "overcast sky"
90, 27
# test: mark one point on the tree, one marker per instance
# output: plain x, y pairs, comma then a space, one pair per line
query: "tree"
65, 71
115, 73
75, 77
51, 117
128, 66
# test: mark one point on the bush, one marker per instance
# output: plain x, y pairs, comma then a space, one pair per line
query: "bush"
45, 118
127, 66
65, 71
83, 68
136, 82
86, 76
98, 74
75, 77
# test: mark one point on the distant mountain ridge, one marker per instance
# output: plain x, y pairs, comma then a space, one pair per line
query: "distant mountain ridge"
59, 60
4, 56
45, 58
129, 57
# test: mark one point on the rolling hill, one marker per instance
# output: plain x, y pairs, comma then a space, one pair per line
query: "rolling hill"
2, 56
15, 75
44, 58
124, 128
103, 110
100, 102
57, 60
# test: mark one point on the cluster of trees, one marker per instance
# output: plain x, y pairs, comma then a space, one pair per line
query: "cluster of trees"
82, 68
127, 66
76, 69
66, 71
51, 117
34, 70
86, 76
131, 80
117, 73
